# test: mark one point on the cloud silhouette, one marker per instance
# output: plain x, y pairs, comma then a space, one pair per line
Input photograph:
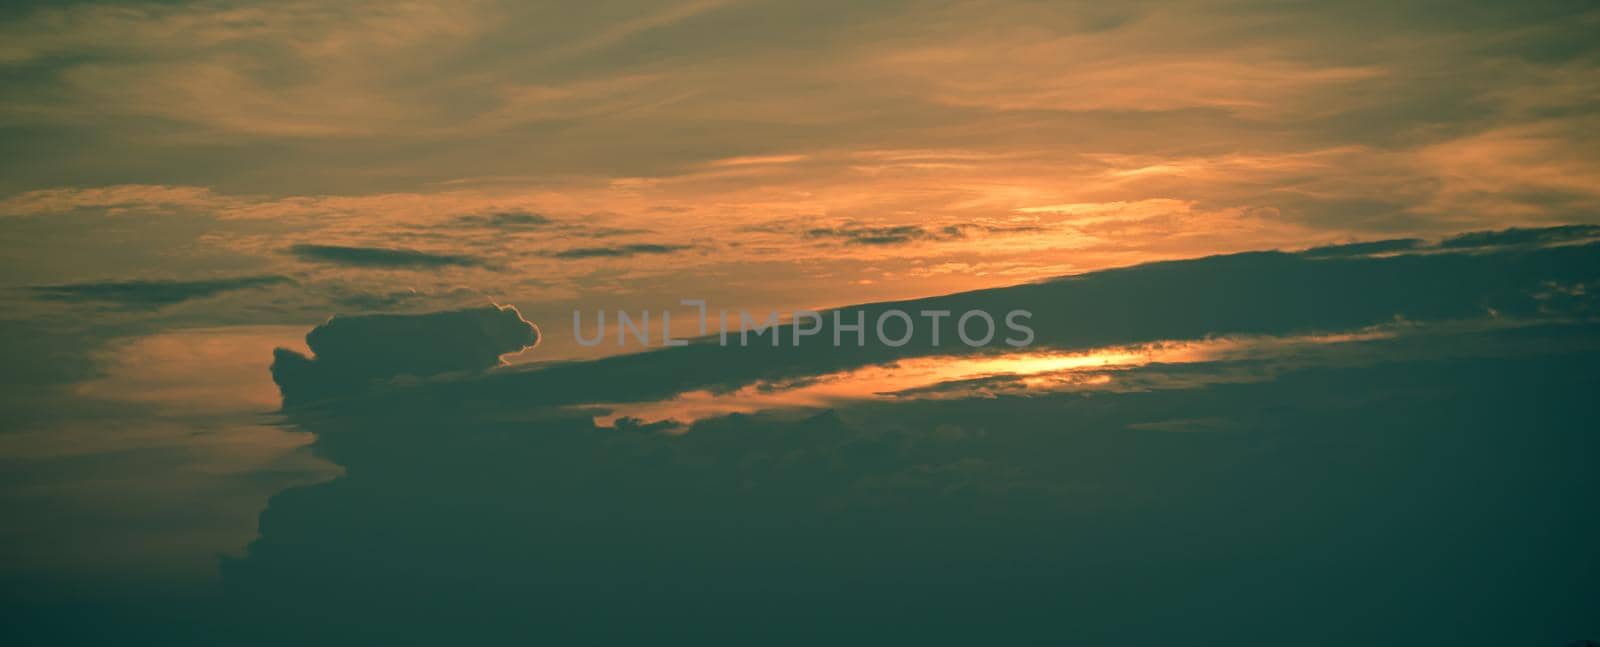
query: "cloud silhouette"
351, 352
151, 294
1274, 486
381, 257
618, 251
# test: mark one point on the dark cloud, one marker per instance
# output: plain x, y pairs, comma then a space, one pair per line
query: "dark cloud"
381, 257
1362, 249
1520, 236
1055, 517
962, 231
619, 251
38, 359
1061, 518
505, 220
894, 235
1263, 293
1513, 237
350, 352
602, 232
522, 221
150, 294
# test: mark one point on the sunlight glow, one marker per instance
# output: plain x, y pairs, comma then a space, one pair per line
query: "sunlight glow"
920, 377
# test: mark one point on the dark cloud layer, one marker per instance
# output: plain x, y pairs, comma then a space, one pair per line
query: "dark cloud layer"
871, 235
1523, 236
1363, 498
381, 257
619, 251
1361, 249
1358, 499
1514, 237
1271, 293
1362, 506
505, 220
150, 294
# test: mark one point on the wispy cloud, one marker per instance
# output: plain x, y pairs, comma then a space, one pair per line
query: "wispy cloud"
619, 251
901, 234
381, 257
152, 293
505, 220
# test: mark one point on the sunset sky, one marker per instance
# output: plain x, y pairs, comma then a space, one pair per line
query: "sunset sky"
751, 152
185, 186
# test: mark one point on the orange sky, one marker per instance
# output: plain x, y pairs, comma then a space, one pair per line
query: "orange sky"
189, 184
758, 154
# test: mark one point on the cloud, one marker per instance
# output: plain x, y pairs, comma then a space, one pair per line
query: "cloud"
901, 234
893, 235
350, 352
382, 257
199, 80
1522, 236
619, 251
1004, 509
505, 220
523, 221
1250, 294
152, 294
376, 300
1512, 237
1364, 248
964, 230
587, 231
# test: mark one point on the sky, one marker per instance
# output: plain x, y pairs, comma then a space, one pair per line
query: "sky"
749, 151
187, 186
